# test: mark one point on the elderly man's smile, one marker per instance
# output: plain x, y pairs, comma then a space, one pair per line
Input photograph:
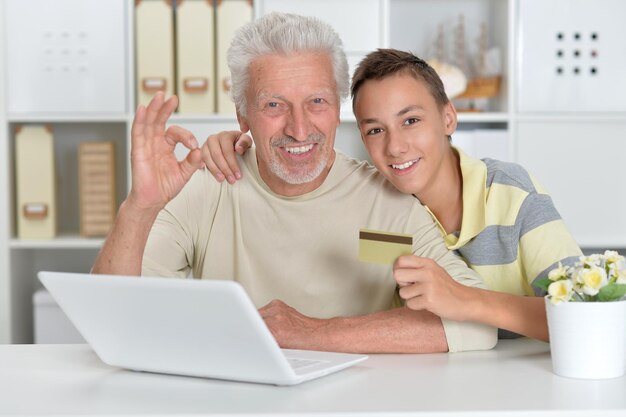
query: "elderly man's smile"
299, 153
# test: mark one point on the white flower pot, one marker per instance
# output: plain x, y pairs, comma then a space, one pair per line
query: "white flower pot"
588, 339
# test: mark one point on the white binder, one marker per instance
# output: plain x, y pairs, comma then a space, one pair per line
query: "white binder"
154, 40
35, 182
195, 54
231, 14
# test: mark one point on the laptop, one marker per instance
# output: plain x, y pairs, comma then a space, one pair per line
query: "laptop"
200, 328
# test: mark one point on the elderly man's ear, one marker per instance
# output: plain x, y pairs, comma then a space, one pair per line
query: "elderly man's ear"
243, 123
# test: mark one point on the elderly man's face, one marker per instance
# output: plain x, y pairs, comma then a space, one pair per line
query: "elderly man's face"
293, 113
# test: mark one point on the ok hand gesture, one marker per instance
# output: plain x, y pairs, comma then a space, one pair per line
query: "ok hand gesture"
157, 176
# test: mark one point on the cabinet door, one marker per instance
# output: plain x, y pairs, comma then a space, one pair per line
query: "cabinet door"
66, 56
582, 166
573, 60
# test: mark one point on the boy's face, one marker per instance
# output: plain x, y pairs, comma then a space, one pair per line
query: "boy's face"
404, 131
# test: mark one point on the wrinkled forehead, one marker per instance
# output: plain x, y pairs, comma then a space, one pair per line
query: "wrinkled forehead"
309, 69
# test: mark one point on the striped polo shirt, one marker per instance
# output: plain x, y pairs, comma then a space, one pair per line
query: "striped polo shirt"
511, 233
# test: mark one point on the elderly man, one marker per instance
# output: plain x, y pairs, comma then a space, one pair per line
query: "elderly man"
289, 233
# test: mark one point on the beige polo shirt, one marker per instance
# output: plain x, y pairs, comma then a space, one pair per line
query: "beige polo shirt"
302, 250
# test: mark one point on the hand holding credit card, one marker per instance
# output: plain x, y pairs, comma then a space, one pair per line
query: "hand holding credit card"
383, 247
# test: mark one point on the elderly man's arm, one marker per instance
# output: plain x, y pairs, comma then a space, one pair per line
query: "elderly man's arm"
123, 248
398, 330
157, 177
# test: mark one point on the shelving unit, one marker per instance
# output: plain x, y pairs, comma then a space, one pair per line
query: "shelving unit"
6, 297
576, 155
20, 259
67, 251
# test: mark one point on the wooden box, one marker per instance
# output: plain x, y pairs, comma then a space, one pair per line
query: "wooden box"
96, 181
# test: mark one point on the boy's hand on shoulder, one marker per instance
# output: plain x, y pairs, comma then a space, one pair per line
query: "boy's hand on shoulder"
219, 154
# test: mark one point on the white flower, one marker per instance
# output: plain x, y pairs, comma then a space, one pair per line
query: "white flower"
591, 279
585, 280
591, 260
558, 273
613, 270
560, 291
575, 277
612, 257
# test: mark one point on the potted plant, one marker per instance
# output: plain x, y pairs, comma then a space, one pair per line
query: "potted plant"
586, 314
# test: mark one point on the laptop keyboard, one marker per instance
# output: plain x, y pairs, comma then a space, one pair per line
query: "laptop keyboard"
298, 363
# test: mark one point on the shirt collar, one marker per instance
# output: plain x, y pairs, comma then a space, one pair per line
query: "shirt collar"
332, 179
474, 173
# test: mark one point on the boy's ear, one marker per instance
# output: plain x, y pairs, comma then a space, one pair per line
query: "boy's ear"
450, 117
243, 123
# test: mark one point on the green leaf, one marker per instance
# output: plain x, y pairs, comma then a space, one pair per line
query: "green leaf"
612, 292
543, 283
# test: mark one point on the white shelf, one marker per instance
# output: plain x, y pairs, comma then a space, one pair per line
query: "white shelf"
463, 117
572, 117
485, 117
604, 243
202, 118
61, 242
71, 118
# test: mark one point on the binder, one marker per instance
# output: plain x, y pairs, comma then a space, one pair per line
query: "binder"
96, 183
195, 56
154, 42
231, 14
35, 182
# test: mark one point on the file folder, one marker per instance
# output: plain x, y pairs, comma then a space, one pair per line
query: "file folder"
231, 14
195, 53
154, 41
35, 182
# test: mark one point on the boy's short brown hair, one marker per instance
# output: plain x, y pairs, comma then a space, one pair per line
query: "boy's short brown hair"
385, 62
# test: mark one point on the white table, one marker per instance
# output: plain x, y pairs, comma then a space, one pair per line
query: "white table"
513, 379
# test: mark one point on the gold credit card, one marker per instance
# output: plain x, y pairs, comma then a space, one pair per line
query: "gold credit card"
383, 247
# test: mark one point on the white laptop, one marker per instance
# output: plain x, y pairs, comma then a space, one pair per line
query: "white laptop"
201, 328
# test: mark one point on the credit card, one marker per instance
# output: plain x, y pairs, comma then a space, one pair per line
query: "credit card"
383, 247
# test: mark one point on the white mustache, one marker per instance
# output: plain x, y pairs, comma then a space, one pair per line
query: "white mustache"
288, 140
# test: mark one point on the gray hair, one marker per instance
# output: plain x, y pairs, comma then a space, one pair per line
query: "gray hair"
283, 33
